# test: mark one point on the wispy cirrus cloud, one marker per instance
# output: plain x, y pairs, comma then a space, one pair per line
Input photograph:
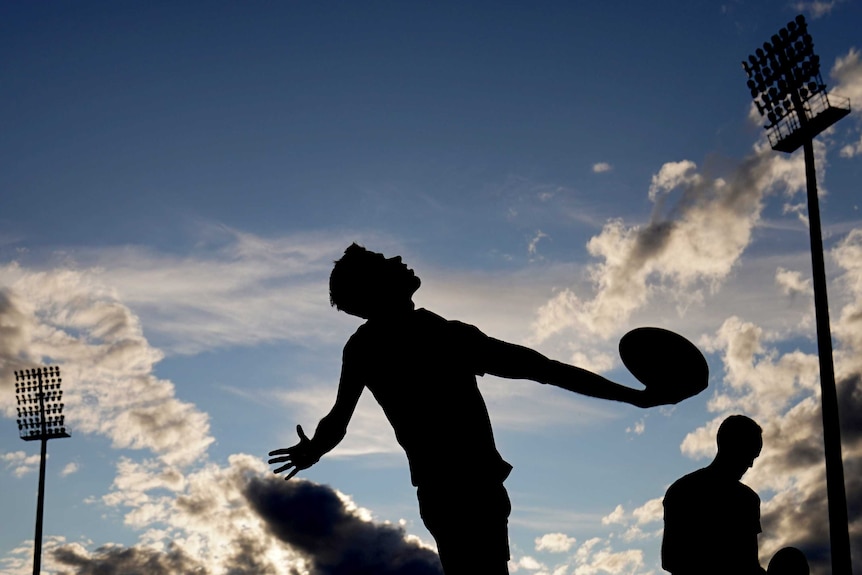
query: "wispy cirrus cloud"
235, 288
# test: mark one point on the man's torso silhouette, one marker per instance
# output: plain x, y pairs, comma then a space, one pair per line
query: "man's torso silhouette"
422, 371
712, 519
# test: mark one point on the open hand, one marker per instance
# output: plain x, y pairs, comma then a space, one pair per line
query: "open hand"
300, 456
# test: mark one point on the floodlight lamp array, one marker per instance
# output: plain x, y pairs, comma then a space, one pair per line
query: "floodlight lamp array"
40, 403
784, 73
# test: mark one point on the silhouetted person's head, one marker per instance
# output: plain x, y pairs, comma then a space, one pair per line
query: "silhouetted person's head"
367, 284
740, 440
788, 561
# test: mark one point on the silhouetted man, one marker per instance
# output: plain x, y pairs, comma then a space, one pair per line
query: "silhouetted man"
711, 519
422, 371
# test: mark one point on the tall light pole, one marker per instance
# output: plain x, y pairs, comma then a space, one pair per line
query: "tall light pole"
40, 418
785, 83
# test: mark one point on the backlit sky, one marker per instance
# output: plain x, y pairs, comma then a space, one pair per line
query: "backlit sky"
178, 177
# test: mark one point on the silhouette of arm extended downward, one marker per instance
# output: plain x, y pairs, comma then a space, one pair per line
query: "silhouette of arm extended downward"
518, 362
329, 433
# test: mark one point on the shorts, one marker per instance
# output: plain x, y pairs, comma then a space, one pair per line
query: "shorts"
470, 524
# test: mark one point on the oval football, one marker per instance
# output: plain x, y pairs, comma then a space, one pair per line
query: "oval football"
665, 362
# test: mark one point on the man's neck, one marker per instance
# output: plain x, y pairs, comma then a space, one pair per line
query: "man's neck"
723, 468
395, 313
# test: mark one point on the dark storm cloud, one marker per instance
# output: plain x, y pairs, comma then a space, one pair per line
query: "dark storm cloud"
247, 559
126, 561
314, 521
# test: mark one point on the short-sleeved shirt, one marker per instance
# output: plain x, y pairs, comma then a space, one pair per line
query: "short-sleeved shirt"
711, 524
421, 369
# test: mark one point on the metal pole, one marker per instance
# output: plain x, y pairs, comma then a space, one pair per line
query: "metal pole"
40, 508
40, 502
839, 535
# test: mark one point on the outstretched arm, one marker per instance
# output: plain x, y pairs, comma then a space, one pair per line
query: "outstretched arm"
518, 362
329, 433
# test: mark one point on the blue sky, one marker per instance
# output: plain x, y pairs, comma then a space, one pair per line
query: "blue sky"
177, 180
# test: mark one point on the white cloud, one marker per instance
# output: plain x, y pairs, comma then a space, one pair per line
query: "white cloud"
19, 463
852, 150
555, 542
649, 512
638, 428
592, 559
615, 516
672, 175
631, 524
69, 469
532, 247
762, 382
602, 167
529, 563
792, 282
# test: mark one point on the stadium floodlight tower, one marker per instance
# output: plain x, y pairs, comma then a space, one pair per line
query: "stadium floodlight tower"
785, 83
40, 418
